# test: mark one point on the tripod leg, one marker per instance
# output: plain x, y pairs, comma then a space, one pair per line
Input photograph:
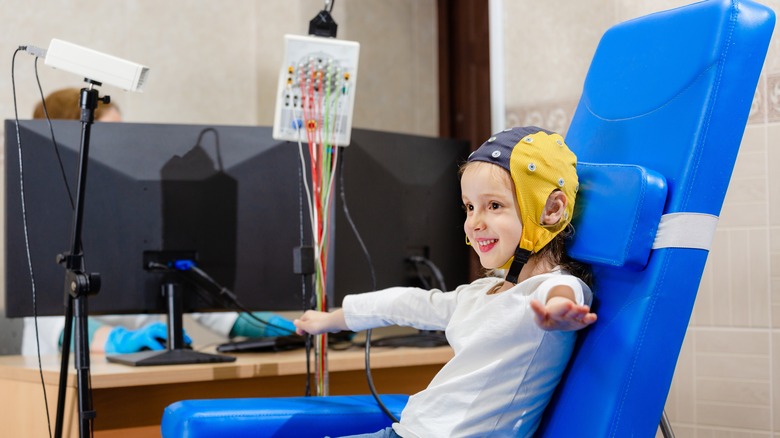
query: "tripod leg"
86, 414
64, 363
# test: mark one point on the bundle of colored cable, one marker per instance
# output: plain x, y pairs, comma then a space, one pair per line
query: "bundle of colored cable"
320, 85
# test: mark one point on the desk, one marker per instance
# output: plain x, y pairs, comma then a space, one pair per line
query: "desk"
129, 401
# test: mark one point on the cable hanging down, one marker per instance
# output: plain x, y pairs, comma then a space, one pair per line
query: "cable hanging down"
317, 120
26, 232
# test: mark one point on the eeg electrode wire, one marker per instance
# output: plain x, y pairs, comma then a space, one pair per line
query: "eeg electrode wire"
319, 111
316, 98
304, 299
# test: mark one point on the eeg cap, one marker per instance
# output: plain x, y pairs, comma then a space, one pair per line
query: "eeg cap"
539, 163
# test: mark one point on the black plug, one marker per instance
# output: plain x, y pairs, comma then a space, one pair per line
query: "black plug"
303, 260
323, 25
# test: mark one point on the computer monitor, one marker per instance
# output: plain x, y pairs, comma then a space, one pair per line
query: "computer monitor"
226, 195
403, 194
230, 197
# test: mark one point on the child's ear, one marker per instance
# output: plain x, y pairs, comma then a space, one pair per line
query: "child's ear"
554, 208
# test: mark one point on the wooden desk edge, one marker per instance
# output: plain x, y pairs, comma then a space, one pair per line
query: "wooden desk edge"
247, 365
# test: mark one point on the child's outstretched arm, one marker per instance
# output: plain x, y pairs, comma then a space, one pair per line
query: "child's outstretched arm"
560, 312
314, 322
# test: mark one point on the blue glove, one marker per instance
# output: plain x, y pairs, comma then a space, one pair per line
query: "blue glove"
149, 337
249, 327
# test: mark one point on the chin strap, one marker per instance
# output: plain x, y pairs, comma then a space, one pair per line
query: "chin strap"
520, 259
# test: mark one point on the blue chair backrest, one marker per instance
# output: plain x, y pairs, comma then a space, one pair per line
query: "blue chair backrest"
668, 94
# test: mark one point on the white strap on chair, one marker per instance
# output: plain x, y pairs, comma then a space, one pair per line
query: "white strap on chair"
686, 230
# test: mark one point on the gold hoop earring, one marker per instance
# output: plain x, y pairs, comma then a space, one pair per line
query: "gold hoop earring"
467, 241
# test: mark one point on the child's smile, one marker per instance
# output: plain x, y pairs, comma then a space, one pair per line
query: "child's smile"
486, 245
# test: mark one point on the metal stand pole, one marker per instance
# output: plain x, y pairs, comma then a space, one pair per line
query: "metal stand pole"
666, 426
321, 369
79, 285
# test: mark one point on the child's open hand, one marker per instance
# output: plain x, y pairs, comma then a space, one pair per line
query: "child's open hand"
562, 314
315, 323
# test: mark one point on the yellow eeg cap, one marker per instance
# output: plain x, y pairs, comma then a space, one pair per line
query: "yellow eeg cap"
539, 162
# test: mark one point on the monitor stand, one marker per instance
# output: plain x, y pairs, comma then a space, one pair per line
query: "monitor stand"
176, 352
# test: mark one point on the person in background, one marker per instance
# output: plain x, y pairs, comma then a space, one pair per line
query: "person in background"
512, 336
119, 334
131, 333
64, 104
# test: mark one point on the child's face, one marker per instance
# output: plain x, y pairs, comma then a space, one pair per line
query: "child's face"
492, 222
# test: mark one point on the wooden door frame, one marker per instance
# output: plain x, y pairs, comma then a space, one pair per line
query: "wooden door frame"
464, 77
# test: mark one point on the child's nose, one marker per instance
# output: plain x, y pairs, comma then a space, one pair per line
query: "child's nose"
475, 222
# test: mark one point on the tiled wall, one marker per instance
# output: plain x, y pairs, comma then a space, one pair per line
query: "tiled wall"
727, 380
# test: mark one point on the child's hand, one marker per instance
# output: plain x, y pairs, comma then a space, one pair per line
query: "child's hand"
315, 323
562, 314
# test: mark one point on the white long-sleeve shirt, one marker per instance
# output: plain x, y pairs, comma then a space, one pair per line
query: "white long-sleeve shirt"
505, 367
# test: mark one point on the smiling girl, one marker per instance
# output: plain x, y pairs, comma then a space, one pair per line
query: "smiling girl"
511, 336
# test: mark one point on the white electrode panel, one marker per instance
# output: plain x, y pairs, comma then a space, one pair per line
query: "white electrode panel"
316, 93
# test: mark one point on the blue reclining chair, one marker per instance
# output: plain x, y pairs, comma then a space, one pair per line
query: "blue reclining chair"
657, 130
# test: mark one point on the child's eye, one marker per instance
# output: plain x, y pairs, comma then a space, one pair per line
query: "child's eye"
495, 205
467, 207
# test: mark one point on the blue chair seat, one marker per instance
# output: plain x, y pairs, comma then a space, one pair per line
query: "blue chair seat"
279, 417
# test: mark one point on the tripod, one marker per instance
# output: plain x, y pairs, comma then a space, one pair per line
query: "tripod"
79, 284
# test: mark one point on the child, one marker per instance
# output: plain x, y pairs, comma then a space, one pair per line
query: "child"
512, 337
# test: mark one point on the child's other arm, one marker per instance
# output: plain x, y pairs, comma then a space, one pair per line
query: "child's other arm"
315, 323
560, 312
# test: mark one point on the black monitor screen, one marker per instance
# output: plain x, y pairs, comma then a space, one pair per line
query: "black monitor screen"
228, 196
403, 194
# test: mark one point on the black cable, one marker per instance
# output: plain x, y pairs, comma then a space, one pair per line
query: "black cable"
423, 279
304, 301
53, 140
418, 260
423, 338
352, 225
225, 295
26, 237
232, 299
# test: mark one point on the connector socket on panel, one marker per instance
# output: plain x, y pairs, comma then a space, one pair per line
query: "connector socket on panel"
96, 66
